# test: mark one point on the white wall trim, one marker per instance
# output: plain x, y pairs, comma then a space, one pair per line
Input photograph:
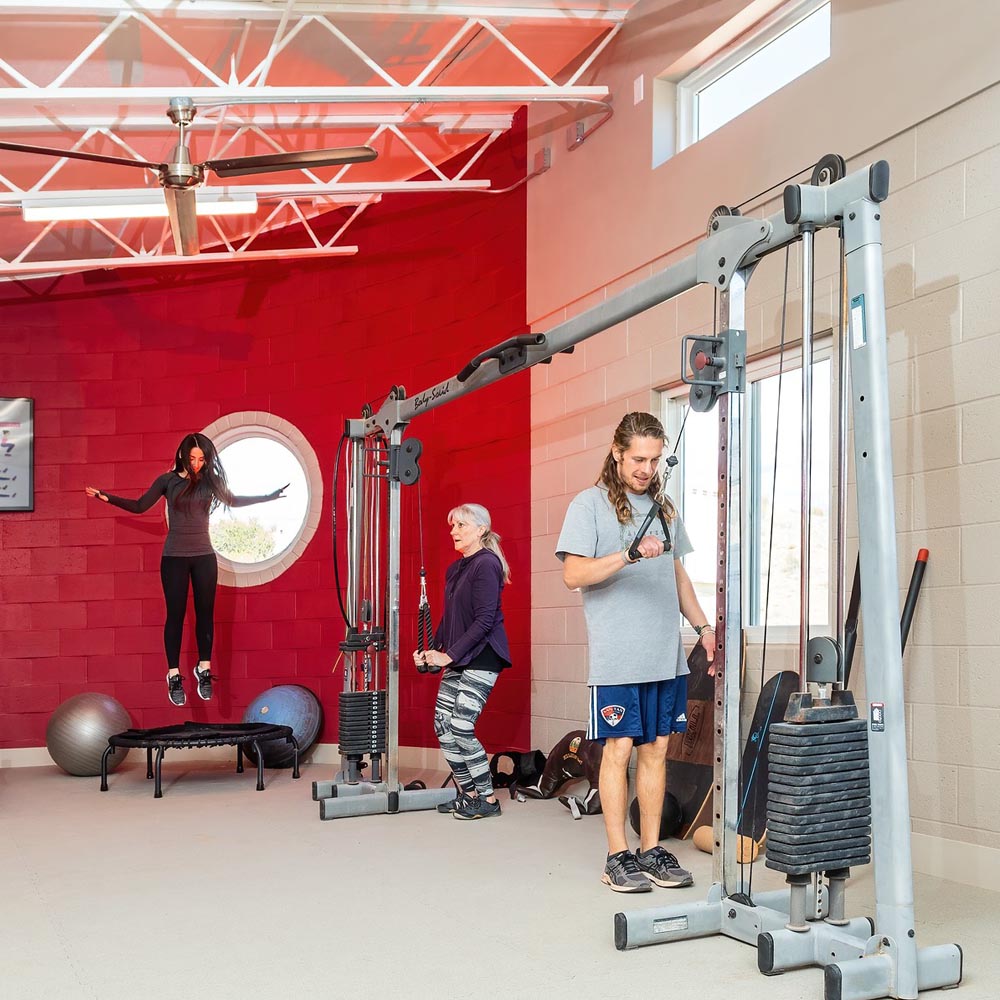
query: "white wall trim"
410, 758
414, 758
936, 856
24, 757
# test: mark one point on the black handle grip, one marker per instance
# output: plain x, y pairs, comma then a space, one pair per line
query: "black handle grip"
633, 549
522, 340
916, 579
851, 623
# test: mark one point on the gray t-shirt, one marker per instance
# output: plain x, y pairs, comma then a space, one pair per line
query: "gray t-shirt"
633, 618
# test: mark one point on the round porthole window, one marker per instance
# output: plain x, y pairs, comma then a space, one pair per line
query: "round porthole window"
260, 453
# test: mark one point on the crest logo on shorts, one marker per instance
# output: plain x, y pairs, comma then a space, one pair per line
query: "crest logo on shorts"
613, 714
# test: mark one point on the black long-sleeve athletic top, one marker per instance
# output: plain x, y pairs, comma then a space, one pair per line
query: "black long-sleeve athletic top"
473, 617
188, 532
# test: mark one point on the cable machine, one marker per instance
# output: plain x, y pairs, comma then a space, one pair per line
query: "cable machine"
827, 752
838, 793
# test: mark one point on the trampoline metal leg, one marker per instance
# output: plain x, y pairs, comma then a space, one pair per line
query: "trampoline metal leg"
239, 758
295, 757
149, 762
260, 767
157, 788
104, 767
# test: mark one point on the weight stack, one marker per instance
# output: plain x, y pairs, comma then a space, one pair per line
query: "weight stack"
361, 728
818, 800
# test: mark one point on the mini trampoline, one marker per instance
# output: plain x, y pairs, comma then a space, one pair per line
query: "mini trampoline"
200, 734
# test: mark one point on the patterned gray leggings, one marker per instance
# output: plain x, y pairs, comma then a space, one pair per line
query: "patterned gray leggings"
460, 701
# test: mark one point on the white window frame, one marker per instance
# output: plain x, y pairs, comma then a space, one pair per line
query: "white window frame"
672, 401
235, 427
728, 59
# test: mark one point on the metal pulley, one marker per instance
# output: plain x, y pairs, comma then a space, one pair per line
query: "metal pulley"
717, 365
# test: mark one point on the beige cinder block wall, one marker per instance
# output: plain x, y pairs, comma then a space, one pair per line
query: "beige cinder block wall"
603, 218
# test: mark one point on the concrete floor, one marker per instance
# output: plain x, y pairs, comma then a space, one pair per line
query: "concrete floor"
218, 891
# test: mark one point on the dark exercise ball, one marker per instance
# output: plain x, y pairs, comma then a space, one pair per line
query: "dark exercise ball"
285, 705
670, 819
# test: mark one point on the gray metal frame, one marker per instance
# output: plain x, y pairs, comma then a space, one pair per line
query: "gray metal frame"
862, 959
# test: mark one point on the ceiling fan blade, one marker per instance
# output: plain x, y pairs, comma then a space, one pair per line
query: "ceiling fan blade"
240, 166
183, 211
73, 154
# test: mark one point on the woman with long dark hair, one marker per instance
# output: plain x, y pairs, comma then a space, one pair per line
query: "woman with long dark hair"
193, 489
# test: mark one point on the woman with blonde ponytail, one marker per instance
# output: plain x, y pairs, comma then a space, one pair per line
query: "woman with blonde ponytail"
471, 647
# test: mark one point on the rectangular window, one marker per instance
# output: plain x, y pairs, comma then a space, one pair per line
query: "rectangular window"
771, 491
784, 48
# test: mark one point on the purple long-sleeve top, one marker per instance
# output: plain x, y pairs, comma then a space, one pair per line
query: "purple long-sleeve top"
188, 532
473, 617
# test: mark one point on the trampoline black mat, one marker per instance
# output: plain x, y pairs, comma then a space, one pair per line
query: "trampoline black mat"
200, 734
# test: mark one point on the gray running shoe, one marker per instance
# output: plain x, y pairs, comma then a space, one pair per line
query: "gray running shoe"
476, 808
622, 873
175, 689
661, 868
203, 678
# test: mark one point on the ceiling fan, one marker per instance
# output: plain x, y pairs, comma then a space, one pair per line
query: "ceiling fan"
180, 177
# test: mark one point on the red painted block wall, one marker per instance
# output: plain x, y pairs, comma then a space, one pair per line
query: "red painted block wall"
122, 365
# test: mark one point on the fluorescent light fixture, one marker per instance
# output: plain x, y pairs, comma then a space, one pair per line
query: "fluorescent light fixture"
43, 207
470, 123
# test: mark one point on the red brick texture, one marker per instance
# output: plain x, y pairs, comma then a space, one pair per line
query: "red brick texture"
122, 365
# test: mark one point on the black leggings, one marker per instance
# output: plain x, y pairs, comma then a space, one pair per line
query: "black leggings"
203, 571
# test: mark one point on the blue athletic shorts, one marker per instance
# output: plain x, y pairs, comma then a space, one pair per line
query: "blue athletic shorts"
640, 712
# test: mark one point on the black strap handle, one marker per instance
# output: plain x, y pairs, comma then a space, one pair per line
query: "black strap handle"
522, 340
654, 511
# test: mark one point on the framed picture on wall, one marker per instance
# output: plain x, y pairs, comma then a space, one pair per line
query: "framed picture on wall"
17, 454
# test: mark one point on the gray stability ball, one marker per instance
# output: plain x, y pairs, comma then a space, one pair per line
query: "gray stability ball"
78, 731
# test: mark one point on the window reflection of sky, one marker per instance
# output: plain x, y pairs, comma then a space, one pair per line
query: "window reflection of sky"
256, 466
700, 447
770, 68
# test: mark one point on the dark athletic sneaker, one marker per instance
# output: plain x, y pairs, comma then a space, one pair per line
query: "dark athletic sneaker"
203, 678
452, 804
661, 868
622, 873
175, 689
476, 808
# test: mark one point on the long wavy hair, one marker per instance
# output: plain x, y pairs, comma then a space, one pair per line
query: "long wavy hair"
477, 514
633, 425
211, 479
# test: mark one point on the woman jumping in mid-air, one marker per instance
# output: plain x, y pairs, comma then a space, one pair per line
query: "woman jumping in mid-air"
194, 488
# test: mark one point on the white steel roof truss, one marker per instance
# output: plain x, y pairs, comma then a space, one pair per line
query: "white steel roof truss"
246, 104
492, 138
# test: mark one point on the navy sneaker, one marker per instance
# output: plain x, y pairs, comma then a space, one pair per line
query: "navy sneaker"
476, 808
452, 804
